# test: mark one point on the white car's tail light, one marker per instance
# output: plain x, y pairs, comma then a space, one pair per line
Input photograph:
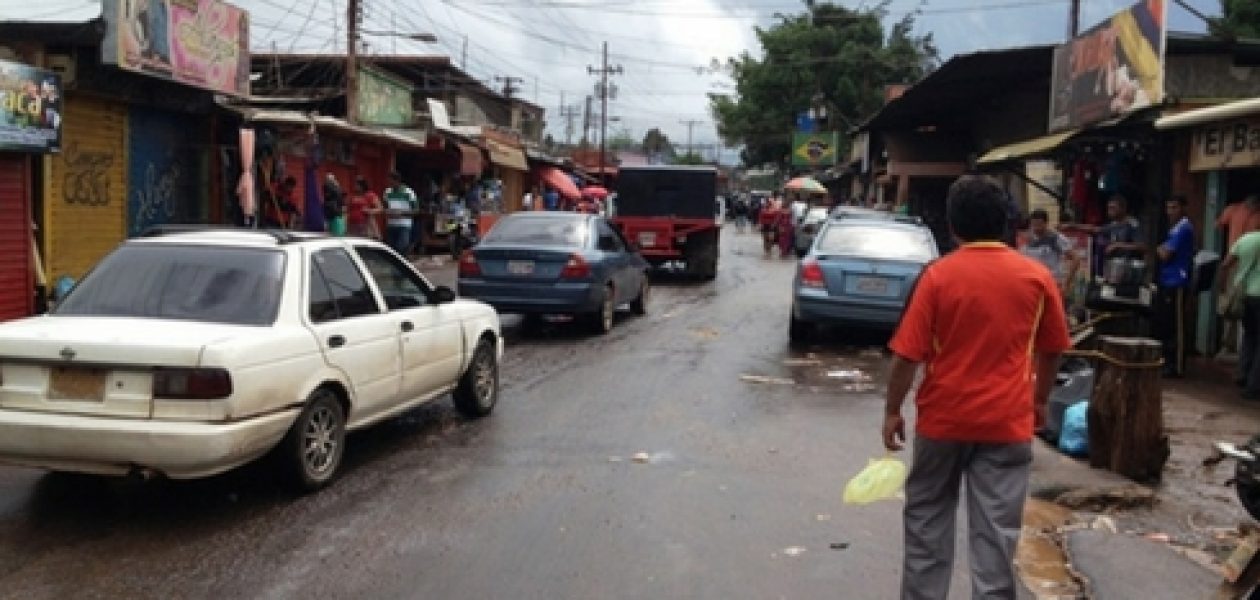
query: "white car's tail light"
191, 384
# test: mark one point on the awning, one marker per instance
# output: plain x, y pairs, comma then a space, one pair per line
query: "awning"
557, 179
1026, 148
1211, 114
470, 162
507, 156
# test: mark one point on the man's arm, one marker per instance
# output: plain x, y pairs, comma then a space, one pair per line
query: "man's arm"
900, 380
1047, 369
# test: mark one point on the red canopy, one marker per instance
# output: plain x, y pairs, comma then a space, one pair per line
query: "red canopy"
562, 183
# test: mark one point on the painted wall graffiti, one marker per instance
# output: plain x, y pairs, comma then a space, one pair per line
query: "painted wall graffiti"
86, 179
155, 195
165, 169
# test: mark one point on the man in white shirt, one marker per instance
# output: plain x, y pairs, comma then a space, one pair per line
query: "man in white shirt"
400, 206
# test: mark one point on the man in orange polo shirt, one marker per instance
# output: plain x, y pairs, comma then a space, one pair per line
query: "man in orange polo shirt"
987, 324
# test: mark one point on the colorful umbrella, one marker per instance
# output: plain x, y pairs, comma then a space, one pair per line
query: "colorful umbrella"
805, 184
595, 191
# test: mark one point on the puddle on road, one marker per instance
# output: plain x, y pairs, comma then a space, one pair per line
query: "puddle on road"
856, 370
1040, 559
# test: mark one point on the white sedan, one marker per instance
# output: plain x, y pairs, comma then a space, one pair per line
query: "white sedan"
188, 353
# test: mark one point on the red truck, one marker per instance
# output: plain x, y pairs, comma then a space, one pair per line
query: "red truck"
670, 213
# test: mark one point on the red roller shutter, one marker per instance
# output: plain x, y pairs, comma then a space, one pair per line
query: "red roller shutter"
16, 278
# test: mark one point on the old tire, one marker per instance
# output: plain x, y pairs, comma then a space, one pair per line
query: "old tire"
600, 322
639, 305
799, 332
313, 448
478, 389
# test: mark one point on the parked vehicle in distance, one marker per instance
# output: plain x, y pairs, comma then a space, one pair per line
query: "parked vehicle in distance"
188, 353
670, 213
555, 263
810, 223
858, 273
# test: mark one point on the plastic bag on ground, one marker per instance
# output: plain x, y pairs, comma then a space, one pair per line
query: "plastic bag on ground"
881, 479
1074, 439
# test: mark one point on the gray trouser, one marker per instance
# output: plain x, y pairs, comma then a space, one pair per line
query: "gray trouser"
997, 483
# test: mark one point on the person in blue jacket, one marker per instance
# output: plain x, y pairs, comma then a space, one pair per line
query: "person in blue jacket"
1175, 257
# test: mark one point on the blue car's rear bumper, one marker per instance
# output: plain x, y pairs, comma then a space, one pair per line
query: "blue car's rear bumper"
534, 298
827, 310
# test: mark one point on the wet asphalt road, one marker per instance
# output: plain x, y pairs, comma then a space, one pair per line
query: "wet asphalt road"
540, 500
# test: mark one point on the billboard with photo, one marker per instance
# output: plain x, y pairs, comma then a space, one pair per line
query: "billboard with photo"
30, 109
201, 43
1111, 70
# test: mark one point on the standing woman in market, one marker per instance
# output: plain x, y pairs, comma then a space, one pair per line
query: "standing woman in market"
334, 206
361, 211
1175, 256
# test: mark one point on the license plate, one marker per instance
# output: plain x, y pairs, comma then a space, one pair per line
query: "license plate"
872, 285
647, 238
73, 383
520, 267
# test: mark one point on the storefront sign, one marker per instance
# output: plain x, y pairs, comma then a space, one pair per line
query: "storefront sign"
382, 100
202, 43
814, 149
1111, 70
30, 108
1226, 145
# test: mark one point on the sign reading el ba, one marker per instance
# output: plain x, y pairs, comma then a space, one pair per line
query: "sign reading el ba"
1228, 145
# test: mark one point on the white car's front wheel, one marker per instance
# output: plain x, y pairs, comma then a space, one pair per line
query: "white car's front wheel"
478, 390
314, 446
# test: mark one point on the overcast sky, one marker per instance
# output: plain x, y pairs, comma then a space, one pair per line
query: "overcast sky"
663, 46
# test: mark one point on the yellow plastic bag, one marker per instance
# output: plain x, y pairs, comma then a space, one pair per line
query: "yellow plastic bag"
881, 479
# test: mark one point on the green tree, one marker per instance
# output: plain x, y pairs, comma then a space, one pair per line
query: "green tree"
1240, 20
690, 158
656, 143
622, 140
829, 56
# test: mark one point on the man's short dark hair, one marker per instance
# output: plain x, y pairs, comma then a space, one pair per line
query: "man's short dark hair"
977, 209
1040, 213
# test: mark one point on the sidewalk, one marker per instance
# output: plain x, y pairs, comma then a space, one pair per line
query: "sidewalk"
1124, 540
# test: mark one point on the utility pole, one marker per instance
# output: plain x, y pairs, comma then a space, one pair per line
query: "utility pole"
690, 123
352, 60
1074, 19
569, 114
463, 56
604, 91
586, 120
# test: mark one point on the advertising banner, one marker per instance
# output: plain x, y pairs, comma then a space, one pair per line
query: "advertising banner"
201, 43
814, 149
1111, 70
1228, 145
382, 100
30, 108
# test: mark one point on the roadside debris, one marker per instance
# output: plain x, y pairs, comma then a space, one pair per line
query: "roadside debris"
822, 518
1103, 499
641, 458
793, 551
840, 546
801, 362
1105, 523
1162, 538
766, 379
850, 375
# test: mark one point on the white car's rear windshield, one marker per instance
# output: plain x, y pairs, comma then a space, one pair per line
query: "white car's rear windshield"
878, 242
238, 286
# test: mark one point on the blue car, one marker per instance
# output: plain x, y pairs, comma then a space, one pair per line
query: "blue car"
859, 274
555, 263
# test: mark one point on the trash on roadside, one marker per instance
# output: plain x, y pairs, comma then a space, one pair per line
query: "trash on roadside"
850, 375
766, 379
801, 362
1105, 523
857, 387
822, 518
1241, 557
614, 459
1162, 538
641, 458
840, 546
793, 551
1074, 439
881, 479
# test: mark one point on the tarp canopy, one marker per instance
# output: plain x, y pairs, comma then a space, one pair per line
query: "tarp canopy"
560, 181
507, 156
1026, 148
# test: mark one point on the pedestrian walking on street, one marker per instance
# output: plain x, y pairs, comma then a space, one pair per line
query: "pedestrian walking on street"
1244, 261
984, 392
361, 211
334, 206
401, 206
768, 220
1175, 256
1237, 219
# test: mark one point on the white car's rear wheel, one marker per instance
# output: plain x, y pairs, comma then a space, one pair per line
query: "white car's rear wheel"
315, 444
